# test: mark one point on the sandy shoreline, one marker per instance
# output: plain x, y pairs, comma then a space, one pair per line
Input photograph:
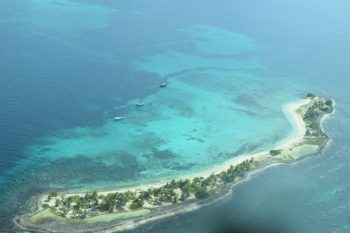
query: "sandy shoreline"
295, 147
296, 136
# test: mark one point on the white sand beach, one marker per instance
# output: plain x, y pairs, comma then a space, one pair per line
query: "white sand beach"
289, 149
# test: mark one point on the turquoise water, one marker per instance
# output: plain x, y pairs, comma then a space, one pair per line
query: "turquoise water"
68, 67
182, 129
208, 113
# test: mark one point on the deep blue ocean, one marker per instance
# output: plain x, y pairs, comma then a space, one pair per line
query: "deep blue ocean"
67, 67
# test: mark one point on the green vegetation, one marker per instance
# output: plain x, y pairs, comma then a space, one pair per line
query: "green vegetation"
329, 102
43, 215
137, 204
113, 216
319, 107
53, 194
49, 214
310, 95
201, 192
275, 152
45, 205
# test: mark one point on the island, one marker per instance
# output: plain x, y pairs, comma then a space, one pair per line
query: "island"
122, 209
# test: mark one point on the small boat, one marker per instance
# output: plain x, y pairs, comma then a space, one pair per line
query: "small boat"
140, 104
163, 84
119, 118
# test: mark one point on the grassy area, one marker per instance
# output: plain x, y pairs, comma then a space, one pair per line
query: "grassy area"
303, 150
114, 216
316, 141
48, 214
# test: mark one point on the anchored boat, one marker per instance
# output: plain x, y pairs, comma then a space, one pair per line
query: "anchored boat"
140, 104
119, 118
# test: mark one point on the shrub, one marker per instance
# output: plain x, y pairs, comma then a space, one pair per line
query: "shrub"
275, 152
53, 194
329, 102
201, 192
136, 204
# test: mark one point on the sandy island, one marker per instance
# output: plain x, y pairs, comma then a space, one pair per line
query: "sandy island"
306, 139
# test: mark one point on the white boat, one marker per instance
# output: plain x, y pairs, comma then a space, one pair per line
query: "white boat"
119, 118
140, 104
